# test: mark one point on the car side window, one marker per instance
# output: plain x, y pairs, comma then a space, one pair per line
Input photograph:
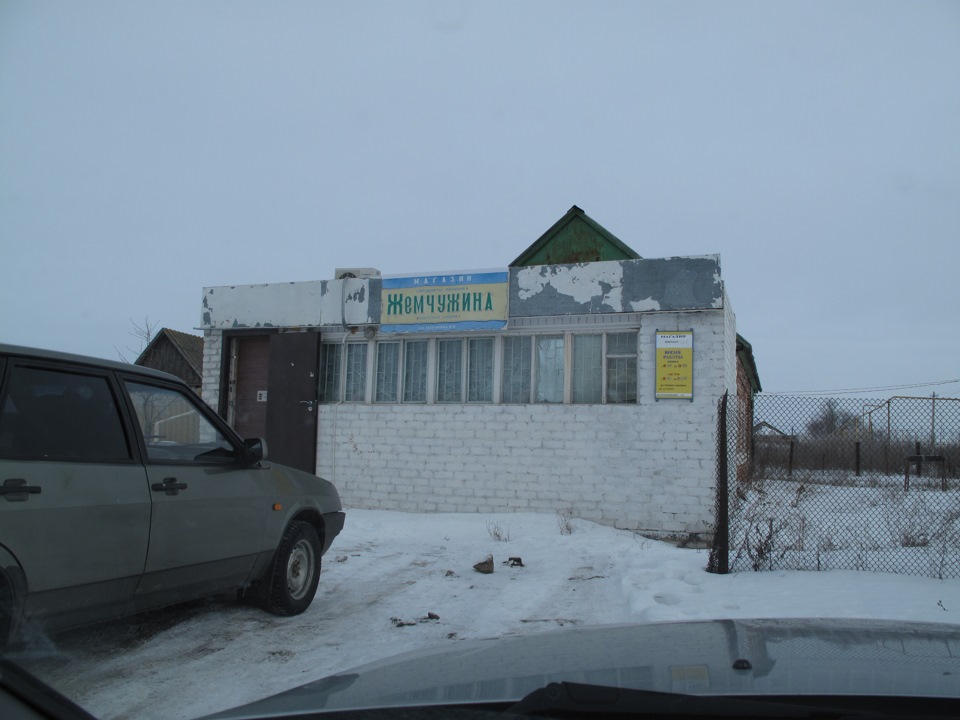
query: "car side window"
54, 415
174, 429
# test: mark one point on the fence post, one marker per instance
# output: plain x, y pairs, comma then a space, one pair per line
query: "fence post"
790, 461
919, 460
719, 561
858, 458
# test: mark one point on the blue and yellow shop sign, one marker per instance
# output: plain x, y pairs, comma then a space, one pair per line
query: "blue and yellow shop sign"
444, 303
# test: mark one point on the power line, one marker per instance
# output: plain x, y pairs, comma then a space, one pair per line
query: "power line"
852, 391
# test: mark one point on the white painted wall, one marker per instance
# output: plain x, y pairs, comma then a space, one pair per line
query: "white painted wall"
648, 467
212, 353
289, 305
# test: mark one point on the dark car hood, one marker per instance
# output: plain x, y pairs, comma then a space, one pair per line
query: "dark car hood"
715, 657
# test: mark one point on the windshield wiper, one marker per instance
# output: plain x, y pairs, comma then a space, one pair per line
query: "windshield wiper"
565, 698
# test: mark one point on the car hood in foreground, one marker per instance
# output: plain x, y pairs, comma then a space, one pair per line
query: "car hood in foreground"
715, 657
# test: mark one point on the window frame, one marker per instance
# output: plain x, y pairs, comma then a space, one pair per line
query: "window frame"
590, 375
423, 374
608, 356
563, 351
605, 356
362, 367
336, 350
134, 454
440, 368
490, 360
196, 404
527, 367
378, 376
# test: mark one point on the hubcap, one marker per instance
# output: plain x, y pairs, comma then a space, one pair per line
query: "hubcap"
300, 567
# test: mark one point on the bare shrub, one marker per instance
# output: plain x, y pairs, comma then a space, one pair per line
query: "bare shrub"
498, 532
908, 518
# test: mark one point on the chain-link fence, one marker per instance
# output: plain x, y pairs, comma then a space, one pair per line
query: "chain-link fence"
830, 483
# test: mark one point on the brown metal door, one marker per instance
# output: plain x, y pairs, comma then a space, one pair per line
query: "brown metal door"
247, 409
292, 406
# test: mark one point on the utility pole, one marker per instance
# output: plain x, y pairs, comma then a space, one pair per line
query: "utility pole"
933, 423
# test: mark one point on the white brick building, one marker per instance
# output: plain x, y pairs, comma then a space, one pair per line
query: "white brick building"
535, 388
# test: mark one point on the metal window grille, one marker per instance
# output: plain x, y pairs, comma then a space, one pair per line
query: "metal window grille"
621, 368
355, 385
517, 368
587, 368
415, 371
330, 372
480, 370
449, 370
388, 372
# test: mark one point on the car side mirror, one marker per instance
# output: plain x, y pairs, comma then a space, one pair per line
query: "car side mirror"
254, 450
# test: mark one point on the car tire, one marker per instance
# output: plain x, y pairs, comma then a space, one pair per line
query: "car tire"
7, 613
291, 582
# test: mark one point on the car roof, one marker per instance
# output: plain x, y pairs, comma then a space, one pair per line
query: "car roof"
41, 354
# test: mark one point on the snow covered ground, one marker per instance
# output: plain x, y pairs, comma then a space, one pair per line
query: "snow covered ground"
395, 582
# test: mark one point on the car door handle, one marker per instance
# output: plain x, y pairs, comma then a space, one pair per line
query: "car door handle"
170, 486
17, 490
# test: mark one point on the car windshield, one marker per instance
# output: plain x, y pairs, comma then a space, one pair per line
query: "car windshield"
337, 331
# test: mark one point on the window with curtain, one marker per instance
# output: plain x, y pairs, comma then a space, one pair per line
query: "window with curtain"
480, 370
449, 370
587, 368
549, 369
388, 372
517, 369
355, 384
415, 371
603, 369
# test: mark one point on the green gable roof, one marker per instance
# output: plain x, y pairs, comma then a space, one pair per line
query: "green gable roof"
575, 238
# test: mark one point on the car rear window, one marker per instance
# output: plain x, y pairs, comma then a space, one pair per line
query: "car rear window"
56, 415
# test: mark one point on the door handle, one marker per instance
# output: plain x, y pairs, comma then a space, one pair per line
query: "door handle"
17, 490
169, 485
308, 403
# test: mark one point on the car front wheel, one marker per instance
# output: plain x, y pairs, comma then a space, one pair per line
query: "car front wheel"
292, 579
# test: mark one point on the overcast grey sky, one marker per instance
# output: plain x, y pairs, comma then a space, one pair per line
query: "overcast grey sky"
150, 149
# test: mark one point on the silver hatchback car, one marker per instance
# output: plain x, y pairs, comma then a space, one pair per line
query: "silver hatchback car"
120, 491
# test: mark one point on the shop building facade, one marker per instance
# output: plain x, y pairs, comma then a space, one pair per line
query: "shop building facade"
581, 378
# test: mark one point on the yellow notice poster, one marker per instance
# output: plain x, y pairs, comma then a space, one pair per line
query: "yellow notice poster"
675, 364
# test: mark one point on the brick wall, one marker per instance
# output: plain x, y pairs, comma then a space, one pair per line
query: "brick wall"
212, 353
648, 467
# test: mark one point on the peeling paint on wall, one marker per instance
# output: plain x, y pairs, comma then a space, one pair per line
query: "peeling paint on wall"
613, 286
351, 301
261, 306
578, 281
665, 284
645, 305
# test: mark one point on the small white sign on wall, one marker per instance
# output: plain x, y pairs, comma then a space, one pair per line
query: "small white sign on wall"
261, 395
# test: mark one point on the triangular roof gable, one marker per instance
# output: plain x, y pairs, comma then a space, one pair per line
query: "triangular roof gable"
189, 346
575, 238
